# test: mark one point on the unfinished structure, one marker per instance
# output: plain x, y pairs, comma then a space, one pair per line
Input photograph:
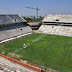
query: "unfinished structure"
12, 26
57, 24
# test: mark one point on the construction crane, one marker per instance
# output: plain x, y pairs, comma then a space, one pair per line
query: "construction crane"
35, 9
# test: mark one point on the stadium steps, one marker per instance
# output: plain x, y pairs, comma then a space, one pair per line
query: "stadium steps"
57, 30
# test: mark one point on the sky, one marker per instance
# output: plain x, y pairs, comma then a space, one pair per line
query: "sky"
45, 6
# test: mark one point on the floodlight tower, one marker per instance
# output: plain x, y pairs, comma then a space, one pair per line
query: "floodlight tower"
35, 9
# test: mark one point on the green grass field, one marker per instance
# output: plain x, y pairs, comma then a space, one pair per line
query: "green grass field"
51, 51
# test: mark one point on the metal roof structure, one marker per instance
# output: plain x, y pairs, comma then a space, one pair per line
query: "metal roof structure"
9, 19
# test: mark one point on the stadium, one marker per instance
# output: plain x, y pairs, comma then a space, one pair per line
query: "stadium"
49, 48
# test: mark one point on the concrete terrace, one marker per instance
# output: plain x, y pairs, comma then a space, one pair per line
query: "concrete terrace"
8, 66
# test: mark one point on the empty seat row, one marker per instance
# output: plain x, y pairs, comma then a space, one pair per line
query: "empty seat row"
14, 32
58, 30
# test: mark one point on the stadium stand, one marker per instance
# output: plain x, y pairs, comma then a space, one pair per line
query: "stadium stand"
13, 26
57, 24
9, 66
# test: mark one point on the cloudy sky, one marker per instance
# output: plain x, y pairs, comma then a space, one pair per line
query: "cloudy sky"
45, 6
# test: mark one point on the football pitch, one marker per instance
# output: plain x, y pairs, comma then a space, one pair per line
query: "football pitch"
51, 51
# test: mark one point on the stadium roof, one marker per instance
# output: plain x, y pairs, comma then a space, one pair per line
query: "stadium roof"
9, 19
